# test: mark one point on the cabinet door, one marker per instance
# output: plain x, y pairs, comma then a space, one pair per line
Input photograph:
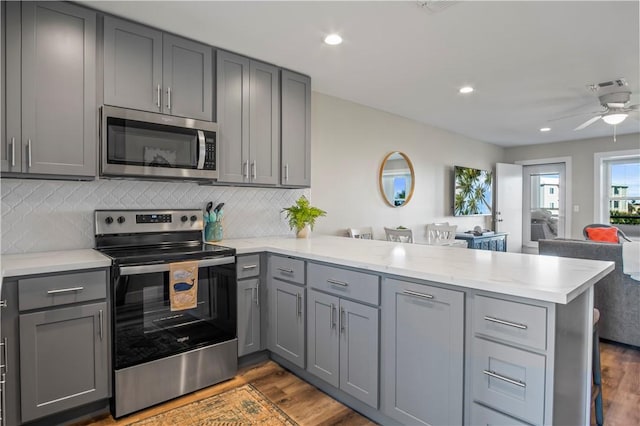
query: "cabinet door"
232, 97
296, 129
359, 346
286, 323
132, 65
248, 316
59, 110
264, 119
322, 337
63, 359
10, 130
422, 353
187, 77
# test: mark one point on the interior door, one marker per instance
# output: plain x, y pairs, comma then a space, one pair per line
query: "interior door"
508, 211
544, 207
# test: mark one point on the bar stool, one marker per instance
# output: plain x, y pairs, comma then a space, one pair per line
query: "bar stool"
596, 371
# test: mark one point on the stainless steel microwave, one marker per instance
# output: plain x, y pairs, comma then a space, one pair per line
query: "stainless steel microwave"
145, 144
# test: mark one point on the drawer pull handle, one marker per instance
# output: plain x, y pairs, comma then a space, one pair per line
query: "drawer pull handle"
504, 379
246, 267
65, 290
288, 271
414, 293
503, 322
336, 282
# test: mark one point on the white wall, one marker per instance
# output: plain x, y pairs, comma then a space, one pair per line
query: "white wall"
581, 153
348, 144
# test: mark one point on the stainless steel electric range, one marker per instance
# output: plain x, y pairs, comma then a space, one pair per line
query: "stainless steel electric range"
159, 354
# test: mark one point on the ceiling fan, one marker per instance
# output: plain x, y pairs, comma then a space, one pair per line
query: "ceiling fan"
615, 109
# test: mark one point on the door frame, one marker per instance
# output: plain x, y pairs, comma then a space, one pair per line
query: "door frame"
568, 201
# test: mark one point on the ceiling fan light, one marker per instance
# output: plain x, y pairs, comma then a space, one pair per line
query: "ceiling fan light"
614, 119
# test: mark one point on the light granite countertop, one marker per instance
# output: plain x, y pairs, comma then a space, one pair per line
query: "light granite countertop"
16, 265
544, 278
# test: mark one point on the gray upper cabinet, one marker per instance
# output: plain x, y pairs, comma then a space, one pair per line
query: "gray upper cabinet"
149, 70
132, 65
422, 353
51, 104
248, 112
296, 129
187, 78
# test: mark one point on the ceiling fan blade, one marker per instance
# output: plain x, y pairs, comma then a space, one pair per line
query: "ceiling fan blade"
588, 123
634, 107
576, 115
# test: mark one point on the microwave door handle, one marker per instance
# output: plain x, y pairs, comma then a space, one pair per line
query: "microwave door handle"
201, 150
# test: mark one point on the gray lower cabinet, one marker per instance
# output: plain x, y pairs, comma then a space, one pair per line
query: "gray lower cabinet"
249, 304
51, 102
248, 112
286, 321
296, 129
63, 359
422, 353
248, 316
153, 71
55, 339
343, 345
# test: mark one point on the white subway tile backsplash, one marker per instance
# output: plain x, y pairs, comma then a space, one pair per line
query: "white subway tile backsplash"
42, 215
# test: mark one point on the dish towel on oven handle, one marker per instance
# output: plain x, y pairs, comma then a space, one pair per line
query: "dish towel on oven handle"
631, 259
183, 285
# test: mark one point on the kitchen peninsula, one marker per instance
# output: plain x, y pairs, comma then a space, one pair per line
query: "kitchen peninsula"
416, 334
442, 335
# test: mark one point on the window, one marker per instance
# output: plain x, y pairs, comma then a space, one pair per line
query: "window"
551, 191
618, 181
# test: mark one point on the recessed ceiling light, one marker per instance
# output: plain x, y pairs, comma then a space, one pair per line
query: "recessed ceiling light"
333, 39
466, 89
545, 129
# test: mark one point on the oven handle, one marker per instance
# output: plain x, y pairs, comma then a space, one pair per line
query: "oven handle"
201, 150
162, 267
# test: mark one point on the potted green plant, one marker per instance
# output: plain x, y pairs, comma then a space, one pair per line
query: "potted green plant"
302, 216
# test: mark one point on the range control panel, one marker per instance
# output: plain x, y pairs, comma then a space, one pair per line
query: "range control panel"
153, 218
136, 221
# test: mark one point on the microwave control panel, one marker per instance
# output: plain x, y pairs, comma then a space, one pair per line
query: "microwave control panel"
210, 153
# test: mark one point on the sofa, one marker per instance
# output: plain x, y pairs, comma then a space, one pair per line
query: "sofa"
617, 296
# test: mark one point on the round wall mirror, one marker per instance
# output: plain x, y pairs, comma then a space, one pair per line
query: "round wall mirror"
396, 179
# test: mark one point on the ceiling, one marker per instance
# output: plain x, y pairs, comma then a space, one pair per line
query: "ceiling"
529, 61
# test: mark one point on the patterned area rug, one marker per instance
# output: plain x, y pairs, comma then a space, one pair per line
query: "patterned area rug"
240, 406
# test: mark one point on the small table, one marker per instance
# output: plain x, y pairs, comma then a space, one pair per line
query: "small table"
495, 241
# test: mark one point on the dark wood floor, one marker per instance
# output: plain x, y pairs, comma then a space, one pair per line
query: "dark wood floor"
309, 407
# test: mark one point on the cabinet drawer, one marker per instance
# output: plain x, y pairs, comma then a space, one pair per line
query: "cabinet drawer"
248, 266
509, 380
55, 290
287, 269
342, 282
483, 416
511, 321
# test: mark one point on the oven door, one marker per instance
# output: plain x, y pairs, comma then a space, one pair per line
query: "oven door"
145, 328
138, 143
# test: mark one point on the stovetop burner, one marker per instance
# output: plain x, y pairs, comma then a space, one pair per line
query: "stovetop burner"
166, 253
134, 237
